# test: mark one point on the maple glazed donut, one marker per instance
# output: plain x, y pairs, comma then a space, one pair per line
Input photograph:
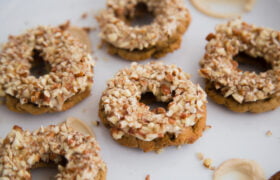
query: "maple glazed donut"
23, 150
163, 35
133, 124
242, 91
68, 81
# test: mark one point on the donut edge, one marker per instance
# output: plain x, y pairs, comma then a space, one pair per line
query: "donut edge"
188, 136
14, 104
259, 106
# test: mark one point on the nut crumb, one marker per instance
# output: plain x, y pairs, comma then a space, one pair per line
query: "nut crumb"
207, 163
200, 156
89, 29
148, 177
96, 123
268, 133
212, 168
84, 15
208, 127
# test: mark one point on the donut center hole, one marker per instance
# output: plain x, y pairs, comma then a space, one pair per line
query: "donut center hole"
251, 64
141, 16
150, 100
39, 66
47, 170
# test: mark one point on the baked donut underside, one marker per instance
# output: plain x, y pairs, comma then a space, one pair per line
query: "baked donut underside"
259, 106
187, 136
14, 104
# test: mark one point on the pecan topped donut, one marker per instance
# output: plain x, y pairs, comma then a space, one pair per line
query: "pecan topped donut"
163, 35
22, 150
132, 123
69, 64
227, 83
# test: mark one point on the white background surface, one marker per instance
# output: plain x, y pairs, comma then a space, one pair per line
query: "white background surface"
233, 135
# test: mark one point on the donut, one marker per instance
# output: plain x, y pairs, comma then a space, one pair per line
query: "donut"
68, 81
226, 84
77, 155
133, 124
162, 36
276, 176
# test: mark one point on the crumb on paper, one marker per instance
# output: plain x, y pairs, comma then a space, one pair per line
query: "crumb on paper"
207, 163
213, 168
84, 15
208, 127
96, 123
65, 25
89, 29
85, 110
268, 133
148, 177
200, 156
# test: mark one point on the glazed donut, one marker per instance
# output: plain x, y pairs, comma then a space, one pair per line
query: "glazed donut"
162, 36
70, 74
22, 150
133, 124
226, 84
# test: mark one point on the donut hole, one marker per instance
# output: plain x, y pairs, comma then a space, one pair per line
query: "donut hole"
150, 100
49, 168
251, 64
39, 66
139, 16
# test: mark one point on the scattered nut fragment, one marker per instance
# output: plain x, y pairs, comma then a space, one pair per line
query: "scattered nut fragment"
212, 168
96, 123
84, 15
208, 127
268, 133
89, 29
207, 163
148, 177
200, 156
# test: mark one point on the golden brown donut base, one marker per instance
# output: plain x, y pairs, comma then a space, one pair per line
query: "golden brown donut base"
14, 104
157, 51
276, 176
253, 107
188, 136
101, 175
